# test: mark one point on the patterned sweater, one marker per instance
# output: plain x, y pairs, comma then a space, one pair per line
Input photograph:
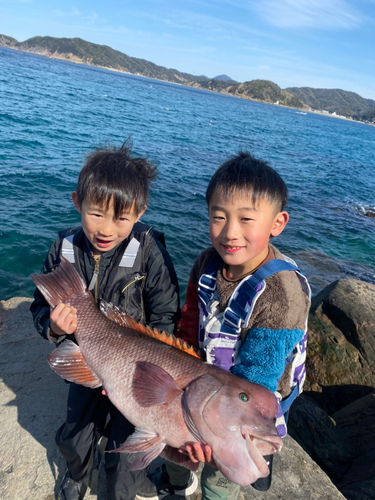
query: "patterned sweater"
278, 322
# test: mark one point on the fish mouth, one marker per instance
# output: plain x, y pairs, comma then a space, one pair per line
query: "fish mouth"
258, 445
272, 443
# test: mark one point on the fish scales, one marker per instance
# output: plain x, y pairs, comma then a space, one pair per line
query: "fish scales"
111, 351
171, 397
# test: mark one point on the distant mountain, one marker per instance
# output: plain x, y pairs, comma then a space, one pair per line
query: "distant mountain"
78, 50
266, 91
224, 78
337, 101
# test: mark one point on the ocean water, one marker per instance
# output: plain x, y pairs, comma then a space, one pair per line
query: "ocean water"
52, 113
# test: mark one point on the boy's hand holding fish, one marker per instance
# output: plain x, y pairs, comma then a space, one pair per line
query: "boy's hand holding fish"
198, 452
63, 320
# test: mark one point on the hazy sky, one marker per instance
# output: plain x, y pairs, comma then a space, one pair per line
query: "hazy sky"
313, 43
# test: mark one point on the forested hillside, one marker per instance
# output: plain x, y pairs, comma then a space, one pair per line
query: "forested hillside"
337, 101
264, 90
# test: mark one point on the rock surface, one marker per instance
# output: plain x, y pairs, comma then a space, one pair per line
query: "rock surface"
357, 421
33, 405
319, 435
349, 304
341, 346
334, 419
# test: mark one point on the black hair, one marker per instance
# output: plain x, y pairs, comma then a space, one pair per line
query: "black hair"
113, 173
248, 175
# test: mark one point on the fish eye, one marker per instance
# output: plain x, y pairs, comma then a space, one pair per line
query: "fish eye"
244, 397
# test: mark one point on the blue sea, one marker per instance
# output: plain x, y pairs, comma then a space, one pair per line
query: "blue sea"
53, 113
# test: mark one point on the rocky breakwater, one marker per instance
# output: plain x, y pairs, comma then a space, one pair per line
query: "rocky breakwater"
334, 420
33, 406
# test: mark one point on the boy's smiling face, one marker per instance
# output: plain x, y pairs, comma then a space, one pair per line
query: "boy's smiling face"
240, 230
103, 230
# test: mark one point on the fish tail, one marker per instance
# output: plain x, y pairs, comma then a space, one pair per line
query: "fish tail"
60, 284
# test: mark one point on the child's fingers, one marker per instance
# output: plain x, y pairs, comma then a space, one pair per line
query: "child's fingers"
55, 313
208, 454
196, 452
63, 319
199, 451
71, 324
190, 451
61, 311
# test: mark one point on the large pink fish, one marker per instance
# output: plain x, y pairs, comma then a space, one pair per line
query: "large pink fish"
172, 397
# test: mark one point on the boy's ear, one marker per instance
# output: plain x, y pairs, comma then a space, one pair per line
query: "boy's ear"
279, 223
75, 201
141, 213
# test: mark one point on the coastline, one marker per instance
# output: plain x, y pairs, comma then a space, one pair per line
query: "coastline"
76, 60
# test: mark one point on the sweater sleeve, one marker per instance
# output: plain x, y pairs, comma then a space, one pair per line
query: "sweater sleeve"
263, 355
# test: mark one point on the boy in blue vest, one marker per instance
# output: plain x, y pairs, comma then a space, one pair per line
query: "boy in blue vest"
246, 303
124, 262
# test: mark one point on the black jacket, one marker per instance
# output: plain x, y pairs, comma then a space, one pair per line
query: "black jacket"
148, 291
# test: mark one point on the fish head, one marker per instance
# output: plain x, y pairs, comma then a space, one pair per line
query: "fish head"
234, 417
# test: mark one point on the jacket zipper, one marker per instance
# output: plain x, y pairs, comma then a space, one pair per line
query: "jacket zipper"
137, 277
94, 280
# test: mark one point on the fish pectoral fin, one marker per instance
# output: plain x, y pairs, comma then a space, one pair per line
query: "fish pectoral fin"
141, 440
68, 362
147, 444
153, 386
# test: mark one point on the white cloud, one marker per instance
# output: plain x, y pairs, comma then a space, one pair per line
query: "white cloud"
72, 12
210, 26
92, 18
318, 14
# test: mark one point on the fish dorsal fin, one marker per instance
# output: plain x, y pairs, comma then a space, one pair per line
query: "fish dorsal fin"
115, 314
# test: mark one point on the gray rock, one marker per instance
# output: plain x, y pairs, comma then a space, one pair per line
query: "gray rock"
357, 421
326, 443
349, 304
33, 405
341, 345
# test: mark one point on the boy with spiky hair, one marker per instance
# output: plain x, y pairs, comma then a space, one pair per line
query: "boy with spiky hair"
246, 304
123, 262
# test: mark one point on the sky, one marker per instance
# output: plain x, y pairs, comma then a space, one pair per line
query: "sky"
293, 43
